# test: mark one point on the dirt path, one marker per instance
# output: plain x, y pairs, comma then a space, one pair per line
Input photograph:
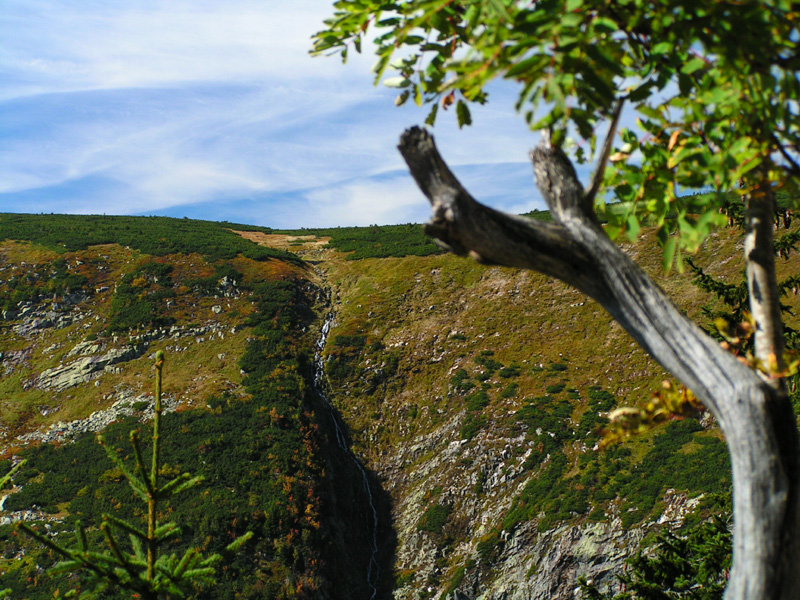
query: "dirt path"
299, 244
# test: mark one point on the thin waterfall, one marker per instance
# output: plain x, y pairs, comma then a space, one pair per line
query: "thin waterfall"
319, 385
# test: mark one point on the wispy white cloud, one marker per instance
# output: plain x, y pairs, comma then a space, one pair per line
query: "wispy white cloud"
203, 107
392, 200
76, 45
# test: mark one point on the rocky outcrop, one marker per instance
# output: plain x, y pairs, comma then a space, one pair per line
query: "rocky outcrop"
546, 566
10, 359
90, 364
126, 404
35, 318
84, 369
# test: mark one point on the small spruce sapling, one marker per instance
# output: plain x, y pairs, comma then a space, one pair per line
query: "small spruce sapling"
4, 481
144, 568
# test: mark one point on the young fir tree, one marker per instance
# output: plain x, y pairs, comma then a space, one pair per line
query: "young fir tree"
4, 481
141, 567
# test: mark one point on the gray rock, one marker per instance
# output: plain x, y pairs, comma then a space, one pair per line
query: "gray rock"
84, 369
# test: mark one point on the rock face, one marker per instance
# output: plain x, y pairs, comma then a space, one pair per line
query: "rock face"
84, 369
527, 564
546, 566
35, 318
127, 404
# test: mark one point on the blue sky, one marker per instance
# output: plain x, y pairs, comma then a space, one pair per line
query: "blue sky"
215, 110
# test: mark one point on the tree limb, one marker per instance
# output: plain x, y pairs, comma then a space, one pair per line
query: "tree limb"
765, 308
577, 251
600, 169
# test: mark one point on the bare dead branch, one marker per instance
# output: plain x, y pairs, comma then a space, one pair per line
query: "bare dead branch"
761, 279
760, 434
600, 168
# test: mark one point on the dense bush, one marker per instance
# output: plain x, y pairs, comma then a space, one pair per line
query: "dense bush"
434, 519
138, 299
691, 565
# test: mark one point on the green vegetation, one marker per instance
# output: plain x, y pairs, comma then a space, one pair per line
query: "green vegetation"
210, 286
540, 215
39, 281
512, 370
157, 236
460, 382
376, 241
257, 456
139, 298
344, 353
402, 382
510, 390
693, 565
727, 128
434, 519
613, 473
564, 478
143, 569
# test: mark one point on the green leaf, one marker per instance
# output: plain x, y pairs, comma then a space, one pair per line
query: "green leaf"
682, 153
639, 94
396, 82
613, 230
604, 25
526, 67
413, 40
632, 228
431, 118
499, 8
661, 48
669, 253
649, 111
693, 65
462, 114
662, 235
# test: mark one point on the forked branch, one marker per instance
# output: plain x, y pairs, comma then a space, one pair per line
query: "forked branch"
577, 251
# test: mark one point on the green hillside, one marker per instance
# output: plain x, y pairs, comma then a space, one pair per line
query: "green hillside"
440, 356
474, 396
236, 323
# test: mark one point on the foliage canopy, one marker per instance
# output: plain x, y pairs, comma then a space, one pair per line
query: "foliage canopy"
713, 85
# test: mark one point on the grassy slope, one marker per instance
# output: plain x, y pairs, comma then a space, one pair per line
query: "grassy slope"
410, 324
104, 265
266, 415
406, 327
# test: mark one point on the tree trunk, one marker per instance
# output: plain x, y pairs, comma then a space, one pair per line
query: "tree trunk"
752, 411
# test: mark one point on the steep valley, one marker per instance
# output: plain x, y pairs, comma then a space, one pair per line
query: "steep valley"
472, 396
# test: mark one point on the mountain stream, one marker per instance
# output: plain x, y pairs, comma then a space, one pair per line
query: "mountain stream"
341, 440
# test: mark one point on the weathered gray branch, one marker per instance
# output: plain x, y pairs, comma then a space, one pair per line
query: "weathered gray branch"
597, 177
761, 437
761, 279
